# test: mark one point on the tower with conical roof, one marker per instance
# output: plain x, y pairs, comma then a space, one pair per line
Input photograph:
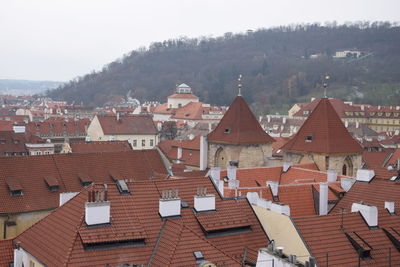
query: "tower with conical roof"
239, 139
324, 139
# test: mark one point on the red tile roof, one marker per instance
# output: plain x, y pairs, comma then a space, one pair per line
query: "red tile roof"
323, 132
374, 193
169, 242
58, 126
190, 96
128, 124
375, 161
6, 252
66, 169
239, 126
6, 125
325, 236
100, 146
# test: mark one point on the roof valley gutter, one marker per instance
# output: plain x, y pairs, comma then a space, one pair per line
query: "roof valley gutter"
153, 253
58, 172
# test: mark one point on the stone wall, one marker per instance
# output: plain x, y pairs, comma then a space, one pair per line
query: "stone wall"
246, 155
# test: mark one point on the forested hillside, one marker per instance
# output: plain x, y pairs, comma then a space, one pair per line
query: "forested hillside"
275, 63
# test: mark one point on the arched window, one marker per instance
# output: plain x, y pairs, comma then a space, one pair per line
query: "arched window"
220, 158
347, 168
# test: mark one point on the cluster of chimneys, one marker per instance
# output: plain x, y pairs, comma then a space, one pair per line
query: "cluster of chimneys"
98, 208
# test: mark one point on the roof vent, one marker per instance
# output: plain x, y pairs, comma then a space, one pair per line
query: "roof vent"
369, 213
97, 209
15, 186
85, 179
198, 255
122, 187
52, 183
204, 201
286, 166
274, 186
170, 203
389, 205
365, 175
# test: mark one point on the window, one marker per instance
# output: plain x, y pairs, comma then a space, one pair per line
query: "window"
38, 153
151, 142
31, 264
228, 130
134, 143
143, 142
2, 141
309, 138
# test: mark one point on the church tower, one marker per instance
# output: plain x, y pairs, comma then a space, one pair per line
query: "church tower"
239, 140
324, 140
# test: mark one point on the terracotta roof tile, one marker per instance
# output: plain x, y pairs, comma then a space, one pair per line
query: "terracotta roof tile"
70, 170
100, 146
128, 124
239, 126
167, 243
323, 132
6, 252
192, 96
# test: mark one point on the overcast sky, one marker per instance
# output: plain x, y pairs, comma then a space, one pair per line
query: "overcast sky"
60, 40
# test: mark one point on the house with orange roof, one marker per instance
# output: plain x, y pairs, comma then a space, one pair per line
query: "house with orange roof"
150, 223
31, 187
139, 130
324, 140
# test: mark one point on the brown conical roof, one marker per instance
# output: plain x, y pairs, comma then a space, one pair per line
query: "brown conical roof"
239, 126
323, 132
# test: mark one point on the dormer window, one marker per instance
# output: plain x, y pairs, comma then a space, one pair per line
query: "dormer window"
309, 138
306, 112
227, 130
52, 183
15, 186
2, 141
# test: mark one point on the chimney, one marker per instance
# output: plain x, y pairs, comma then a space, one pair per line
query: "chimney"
331, 176
215, 173
118, 116
286, 166
347, 183
97, 208
203, 152
231, 170
204, 201
397, 107
346, 124
362, 107
379, 107
280, 208
389, 205
274, 187
179, 153
365, 175
323, 198
252, 197
19, 128
268, 118
398, 164
284, 120
170, 203
357, 124
369, 213
233, 184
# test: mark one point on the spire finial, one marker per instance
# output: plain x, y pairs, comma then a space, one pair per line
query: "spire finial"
325, 84
240, 85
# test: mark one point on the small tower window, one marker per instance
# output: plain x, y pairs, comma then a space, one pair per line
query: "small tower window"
309, 138
227, 130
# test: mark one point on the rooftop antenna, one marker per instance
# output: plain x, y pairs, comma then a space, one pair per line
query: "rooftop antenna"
240, 85
325, 84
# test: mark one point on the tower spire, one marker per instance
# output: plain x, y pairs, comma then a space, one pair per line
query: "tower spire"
325, 84
240, 85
